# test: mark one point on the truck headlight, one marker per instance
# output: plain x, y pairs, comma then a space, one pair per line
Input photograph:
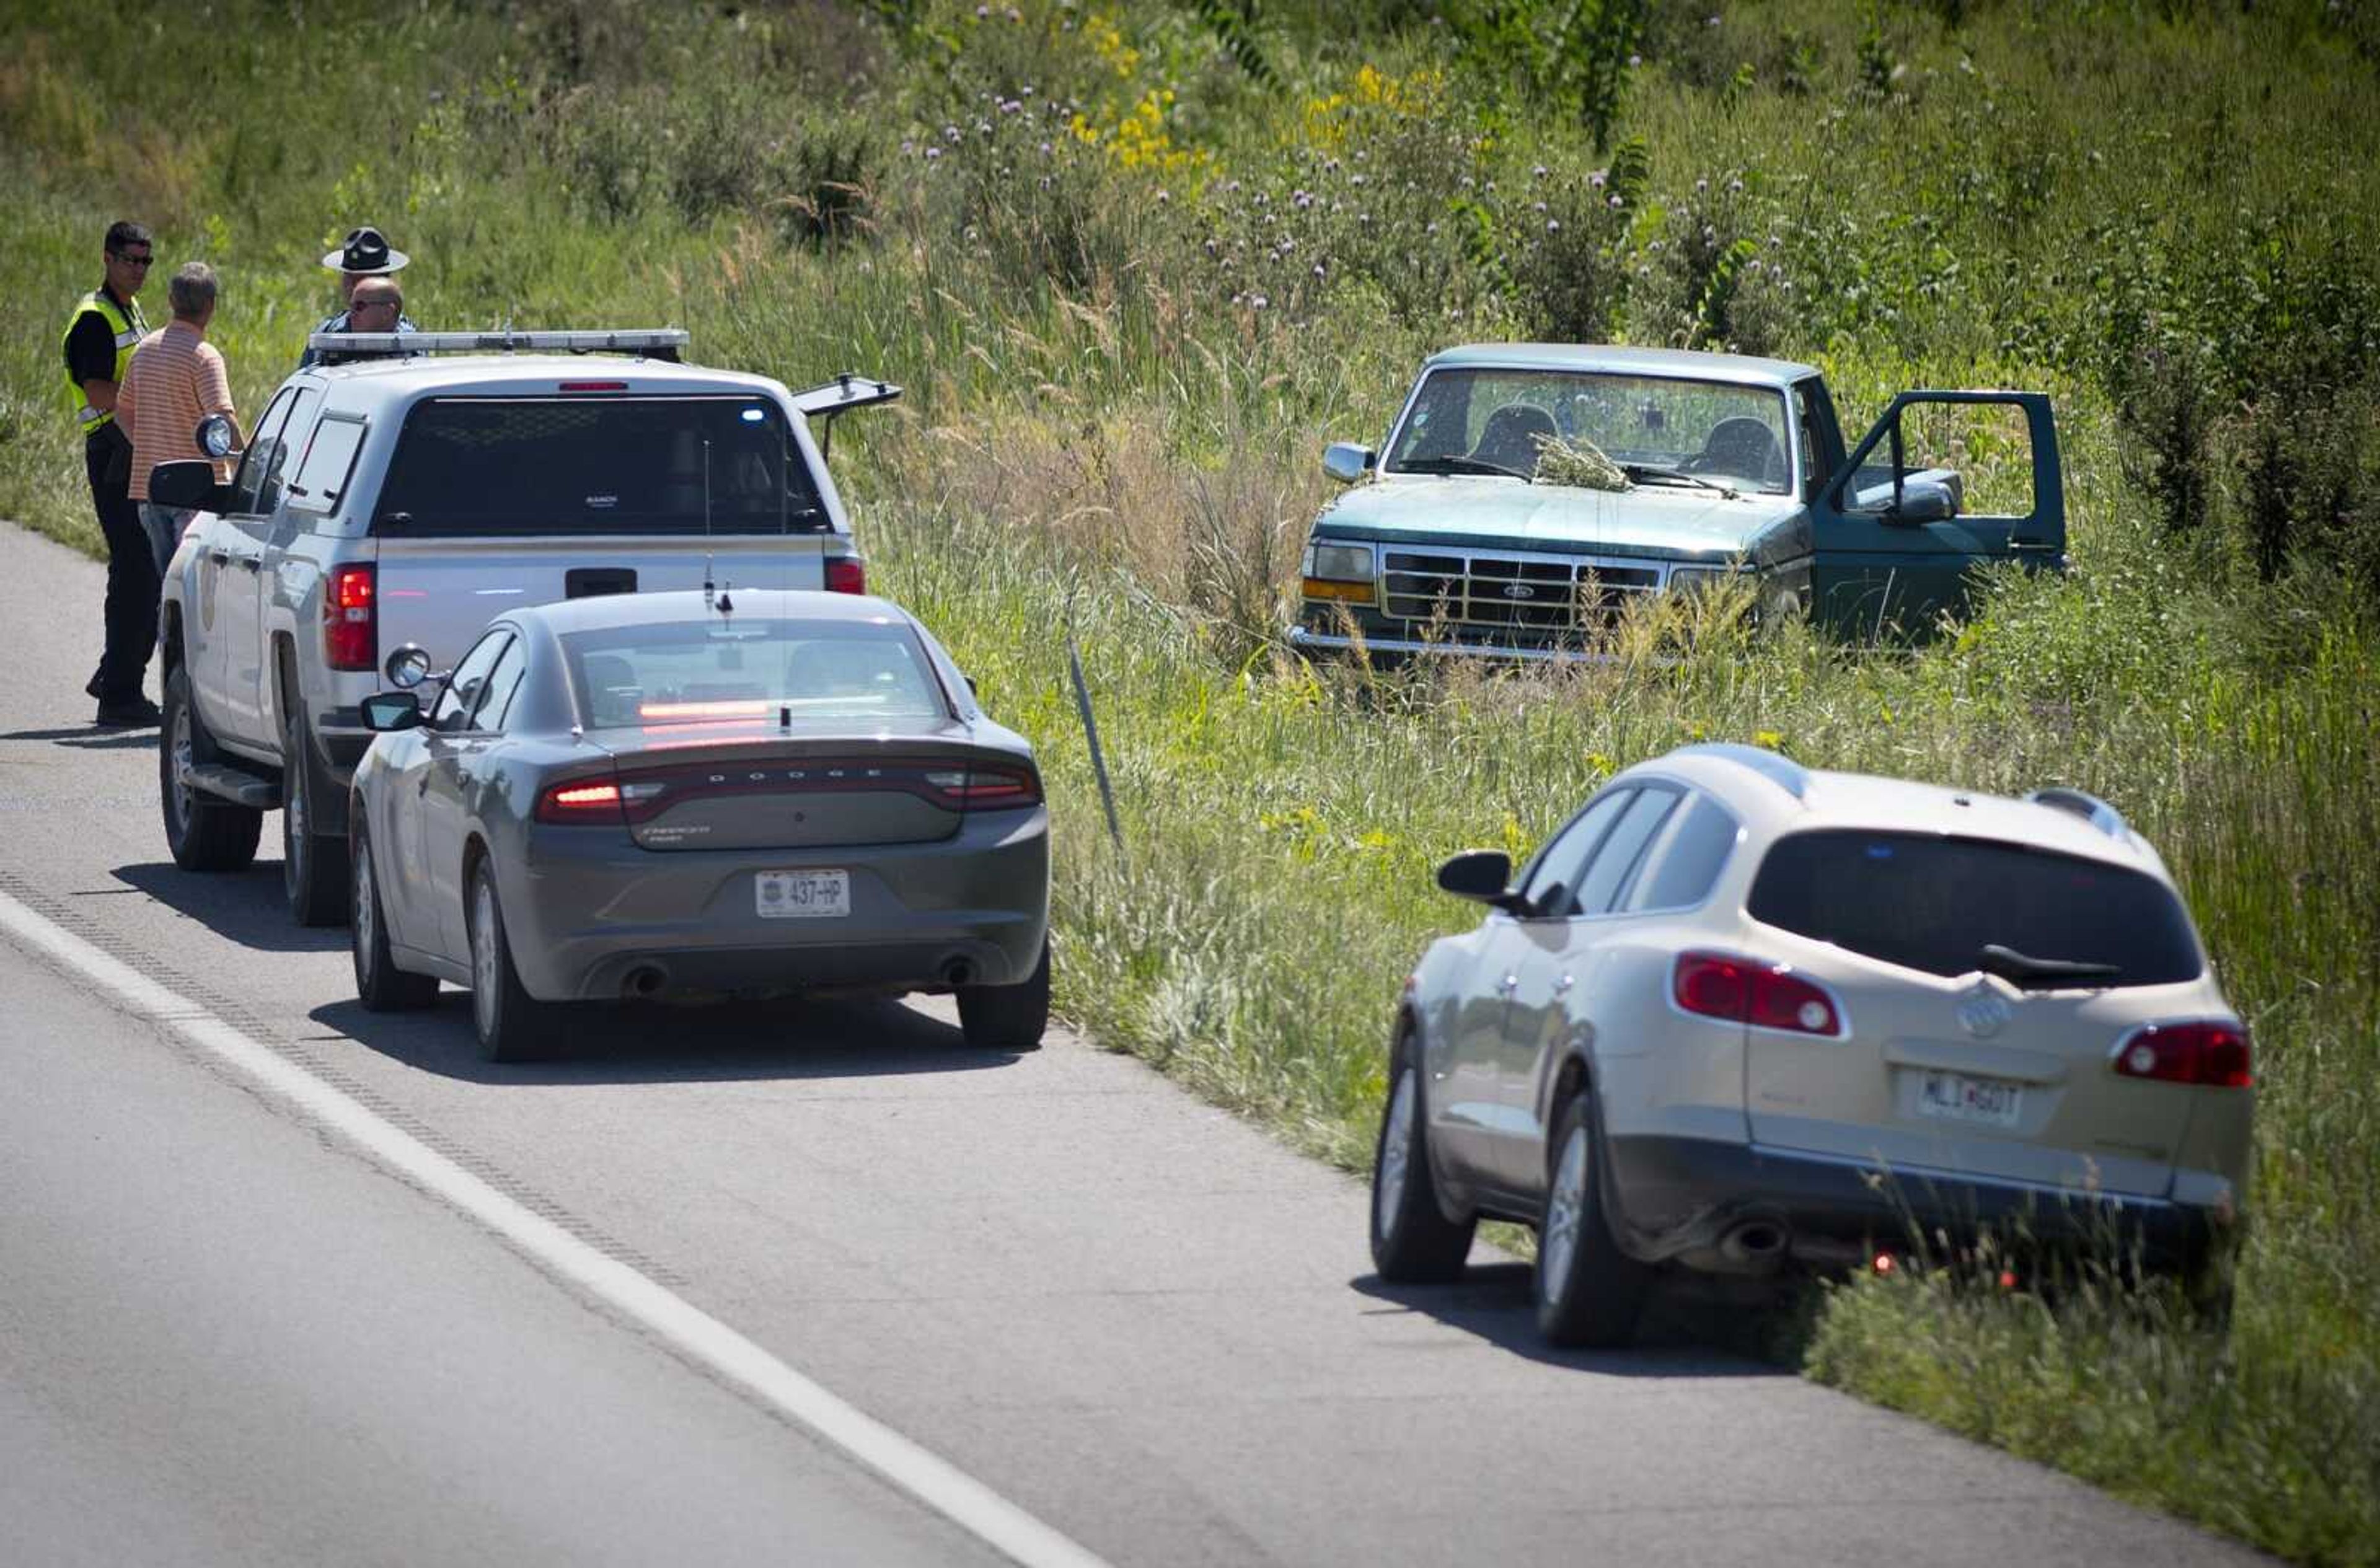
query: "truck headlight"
1343, 572
1693, 579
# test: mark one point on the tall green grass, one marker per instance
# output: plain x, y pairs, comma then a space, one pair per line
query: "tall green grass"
1111, 432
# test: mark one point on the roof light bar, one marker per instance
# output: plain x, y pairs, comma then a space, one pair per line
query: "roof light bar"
660, 343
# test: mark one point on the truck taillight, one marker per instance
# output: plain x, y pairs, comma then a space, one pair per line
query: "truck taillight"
351, 619
1749, 992
2210, 1054
845, 574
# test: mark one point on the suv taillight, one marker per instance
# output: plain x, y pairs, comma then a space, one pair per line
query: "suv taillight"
351, 619
845, 574
2214, 1055
1748, 992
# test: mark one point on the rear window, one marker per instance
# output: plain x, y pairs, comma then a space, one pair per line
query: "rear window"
597, 465
1934, 904
707, 672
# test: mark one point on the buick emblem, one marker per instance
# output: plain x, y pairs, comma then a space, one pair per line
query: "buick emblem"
1519, 590
1983, 1013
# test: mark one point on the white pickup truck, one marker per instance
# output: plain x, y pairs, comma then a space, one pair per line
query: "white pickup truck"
402, 496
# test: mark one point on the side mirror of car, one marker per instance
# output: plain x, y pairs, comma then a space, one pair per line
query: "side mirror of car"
407, 667
190, 484
388, 711
1480, 874
1345, 461
213, 436
1924, 500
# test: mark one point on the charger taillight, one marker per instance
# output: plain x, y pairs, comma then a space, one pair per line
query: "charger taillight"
1746, 991
351, 619
2214, 1055
845, 574
580, 802
986, 789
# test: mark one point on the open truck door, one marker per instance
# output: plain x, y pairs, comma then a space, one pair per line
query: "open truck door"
1944, 481
830, 401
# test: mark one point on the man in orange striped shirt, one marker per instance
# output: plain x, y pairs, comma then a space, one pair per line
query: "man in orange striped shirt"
176, 378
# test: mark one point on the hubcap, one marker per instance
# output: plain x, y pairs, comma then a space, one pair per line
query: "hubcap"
1396, 1154
1564, 1207
483, 955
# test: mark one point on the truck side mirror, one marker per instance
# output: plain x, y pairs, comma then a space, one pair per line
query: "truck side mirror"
1345, 461
1924, 500
190, 484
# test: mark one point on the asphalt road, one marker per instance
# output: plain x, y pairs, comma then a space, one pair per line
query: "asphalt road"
228, 1336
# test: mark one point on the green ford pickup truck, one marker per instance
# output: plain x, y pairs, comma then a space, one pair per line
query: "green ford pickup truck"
1528, 492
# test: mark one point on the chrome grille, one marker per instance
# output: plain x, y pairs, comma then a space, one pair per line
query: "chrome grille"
1525, 596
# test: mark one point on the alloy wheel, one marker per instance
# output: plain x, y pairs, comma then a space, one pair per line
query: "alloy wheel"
486, 965
1563, 1209
1396, 1155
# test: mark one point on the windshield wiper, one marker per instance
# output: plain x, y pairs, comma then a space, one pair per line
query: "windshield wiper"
2040, 974
1643, 473
1457, 465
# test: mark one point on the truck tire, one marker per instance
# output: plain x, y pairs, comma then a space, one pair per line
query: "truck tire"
313, 868
205, 833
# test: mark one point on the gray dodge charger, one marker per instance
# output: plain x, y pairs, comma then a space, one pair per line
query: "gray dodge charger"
674, 795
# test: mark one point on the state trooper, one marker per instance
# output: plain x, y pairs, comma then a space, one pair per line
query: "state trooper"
104, 328
364, 253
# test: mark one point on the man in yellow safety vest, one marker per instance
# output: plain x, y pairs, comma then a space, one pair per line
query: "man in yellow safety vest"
100, 337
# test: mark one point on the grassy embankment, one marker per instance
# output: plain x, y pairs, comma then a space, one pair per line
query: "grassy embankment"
2160, 221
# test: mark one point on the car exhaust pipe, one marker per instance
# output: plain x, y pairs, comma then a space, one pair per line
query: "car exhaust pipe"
957, 971
1754, 1243
643, 982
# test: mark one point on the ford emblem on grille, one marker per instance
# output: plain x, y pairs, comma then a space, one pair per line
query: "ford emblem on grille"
1983, 1013
1519, 590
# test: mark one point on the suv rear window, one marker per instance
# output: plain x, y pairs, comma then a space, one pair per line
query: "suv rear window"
1931, 902
590, 465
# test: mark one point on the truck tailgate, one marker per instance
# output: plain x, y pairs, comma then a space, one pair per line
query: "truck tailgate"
439, 593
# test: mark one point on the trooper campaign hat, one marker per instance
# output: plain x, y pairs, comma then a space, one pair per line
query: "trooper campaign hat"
364, 251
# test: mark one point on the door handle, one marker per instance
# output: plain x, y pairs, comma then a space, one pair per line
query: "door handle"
251, 562
220, 557
1512, 984
1563, 984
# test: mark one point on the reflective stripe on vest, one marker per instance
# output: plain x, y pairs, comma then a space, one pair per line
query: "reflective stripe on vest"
128, 332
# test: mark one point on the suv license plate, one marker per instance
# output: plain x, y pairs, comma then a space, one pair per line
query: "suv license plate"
801, 896
1954, 1097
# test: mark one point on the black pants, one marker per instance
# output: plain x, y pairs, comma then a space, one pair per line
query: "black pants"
132, 580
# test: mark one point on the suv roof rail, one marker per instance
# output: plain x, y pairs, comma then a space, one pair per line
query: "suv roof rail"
1778, 769
657, 343
2090, 807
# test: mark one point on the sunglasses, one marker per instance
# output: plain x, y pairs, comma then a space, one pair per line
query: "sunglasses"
131, 261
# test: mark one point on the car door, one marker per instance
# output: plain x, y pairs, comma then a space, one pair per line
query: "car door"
229, 568
259, 528
452, 746
1944, 481
1538, 1024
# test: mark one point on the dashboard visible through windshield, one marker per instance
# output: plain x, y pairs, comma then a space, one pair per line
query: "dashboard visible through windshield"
1661, 430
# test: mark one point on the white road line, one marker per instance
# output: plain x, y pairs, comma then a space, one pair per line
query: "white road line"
933, 1481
